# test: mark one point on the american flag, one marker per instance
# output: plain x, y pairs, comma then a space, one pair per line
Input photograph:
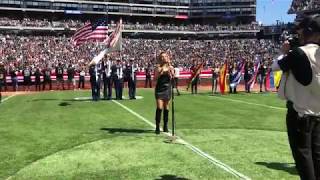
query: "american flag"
97, 31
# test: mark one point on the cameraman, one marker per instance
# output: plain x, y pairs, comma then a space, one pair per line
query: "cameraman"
300, 86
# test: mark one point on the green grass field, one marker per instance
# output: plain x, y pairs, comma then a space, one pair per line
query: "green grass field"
53, 136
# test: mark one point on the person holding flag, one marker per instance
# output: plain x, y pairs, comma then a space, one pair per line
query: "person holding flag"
164, 73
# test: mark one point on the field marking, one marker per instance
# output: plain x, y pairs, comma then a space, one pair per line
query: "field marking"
190, 146
256, 104
7, 98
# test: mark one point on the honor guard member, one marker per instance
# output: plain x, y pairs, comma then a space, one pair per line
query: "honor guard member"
232, 76
194, 83
95, 81
82, 75
215, 74
37, 81
107, 83
248, 73
14, 80
300, 87
47, 78
71, 81
2, 78
262, 72
59, 76
27, 77
131, 74
148, 80
117, 78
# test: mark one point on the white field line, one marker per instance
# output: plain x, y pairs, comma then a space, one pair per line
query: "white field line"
7, 98
255, 104
190, 146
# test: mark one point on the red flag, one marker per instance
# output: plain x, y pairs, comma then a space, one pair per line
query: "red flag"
222, 77
91, 31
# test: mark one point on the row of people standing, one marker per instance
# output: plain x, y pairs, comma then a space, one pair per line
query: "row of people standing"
113, 74
46, 72
249, 73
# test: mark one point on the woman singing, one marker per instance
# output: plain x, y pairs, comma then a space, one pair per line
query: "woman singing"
164, 72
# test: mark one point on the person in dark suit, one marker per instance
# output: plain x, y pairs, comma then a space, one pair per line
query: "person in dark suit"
95, 81
37, 81
59, 76
117, 78
248, 73
148, 80
131, 71
262, 72
107, 83
71, 72
47, 78
27, 77
82, 75
194, 83
2, 78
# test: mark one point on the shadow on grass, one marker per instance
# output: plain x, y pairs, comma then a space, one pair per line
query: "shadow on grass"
287, 167
171, 177
64, 104
121, 130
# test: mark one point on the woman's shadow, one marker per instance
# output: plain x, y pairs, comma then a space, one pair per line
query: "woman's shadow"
287, 167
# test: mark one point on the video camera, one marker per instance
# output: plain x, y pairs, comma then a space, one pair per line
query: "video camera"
291, 36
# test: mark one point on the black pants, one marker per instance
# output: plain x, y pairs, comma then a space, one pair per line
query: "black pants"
118, 85
81, 82
95, 90
304, 139
148, 82
132, 88
214, 85
107, 88
47, 81
37, 83
194, 86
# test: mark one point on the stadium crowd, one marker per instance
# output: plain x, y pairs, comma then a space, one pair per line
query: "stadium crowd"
42, 51
304, 5
28, 22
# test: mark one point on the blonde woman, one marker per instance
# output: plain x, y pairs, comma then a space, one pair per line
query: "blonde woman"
164, 73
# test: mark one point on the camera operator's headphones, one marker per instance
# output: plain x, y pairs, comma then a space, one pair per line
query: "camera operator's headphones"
310, 24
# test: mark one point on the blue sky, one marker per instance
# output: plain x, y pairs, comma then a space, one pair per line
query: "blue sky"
269, 11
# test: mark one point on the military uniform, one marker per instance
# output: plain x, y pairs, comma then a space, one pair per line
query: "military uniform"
107, 83
132, 80
47, 78
117, 78
94, 72
2, 79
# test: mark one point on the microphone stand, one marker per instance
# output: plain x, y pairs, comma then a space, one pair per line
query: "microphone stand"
172, 110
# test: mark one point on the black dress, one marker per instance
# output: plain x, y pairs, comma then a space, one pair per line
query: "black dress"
163, 87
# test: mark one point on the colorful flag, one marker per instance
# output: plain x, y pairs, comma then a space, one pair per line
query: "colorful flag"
237, 75
194, 74
277, 78
113, 43
97, 31
222, 77
257, 63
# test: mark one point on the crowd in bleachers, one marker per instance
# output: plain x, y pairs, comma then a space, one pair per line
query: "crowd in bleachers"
43, 51
304, 5
28, 22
